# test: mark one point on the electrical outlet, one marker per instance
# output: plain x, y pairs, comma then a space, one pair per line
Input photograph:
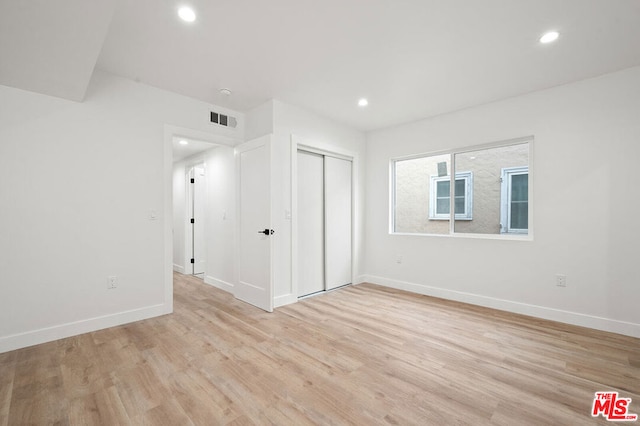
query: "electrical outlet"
399, 259
112, 282
561, 280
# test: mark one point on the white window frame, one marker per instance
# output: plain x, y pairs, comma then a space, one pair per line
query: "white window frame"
528, 236
467, 177
505, 199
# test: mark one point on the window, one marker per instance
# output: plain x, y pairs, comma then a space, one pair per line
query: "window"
491, 191
514, 211
440, 202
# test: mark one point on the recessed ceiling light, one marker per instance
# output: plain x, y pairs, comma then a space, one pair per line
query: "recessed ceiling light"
549, 37
225, 92
363, 102
187, 14
183, 142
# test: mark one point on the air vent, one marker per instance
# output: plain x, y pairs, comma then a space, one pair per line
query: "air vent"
223, 120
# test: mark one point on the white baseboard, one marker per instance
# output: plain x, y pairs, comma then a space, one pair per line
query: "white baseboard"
583, 320
285, 299
178, 268
222, 285
48, 334
360, 279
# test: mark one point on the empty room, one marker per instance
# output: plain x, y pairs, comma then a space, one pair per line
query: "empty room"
328, 213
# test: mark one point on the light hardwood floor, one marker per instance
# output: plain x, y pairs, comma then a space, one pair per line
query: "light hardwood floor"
361, 355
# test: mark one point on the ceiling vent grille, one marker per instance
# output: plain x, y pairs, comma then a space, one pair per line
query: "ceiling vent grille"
223, 120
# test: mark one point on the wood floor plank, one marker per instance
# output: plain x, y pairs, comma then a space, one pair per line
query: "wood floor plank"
201, 398
359, 355
100, 408
7, 370
40, 402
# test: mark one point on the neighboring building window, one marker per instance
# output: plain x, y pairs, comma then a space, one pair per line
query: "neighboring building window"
514, 216
440, 202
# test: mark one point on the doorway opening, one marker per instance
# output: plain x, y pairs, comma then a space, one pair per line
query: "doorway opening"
189, 204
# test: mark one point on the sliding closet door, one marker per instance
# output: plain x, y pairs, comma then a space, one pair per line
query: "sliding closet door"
337, 209
310, 223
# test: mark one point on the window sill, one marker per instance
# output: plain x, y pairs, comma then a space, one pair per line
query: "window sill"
504, 237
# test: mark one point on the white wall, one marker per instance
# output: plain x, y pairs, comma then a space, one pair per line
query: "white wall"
322, 133
585, 199
179, 215
78, 182
259, 121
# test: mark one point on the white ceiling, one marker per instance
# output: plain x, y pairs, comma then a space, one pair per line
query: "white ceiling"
51, 47
193, 147
410, 58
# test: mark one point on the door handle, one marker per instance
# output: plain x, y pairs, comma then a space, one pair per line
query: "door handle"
267, 232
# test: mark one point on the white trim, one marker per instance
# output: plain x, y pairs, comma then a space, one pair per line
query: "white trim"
469, 148
294, 223
392, 197
178, 268
61, 331
190, 168
222, 285
188, 212
323, 152
360, 279
513, 237
285, 299
169, 132
567, 317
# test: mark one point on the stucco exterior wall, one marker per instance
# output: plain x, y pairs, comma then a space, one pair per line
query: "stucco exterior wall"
412, 178
486, 166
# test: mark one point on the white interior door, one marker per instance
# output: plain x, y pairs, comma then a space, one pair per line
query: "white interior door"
337, 181
310, 223
254, 284
198, 254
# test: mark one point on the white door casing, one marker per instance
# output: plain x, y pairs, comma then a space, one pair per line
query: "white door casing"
310, 222
254, 284
198, 215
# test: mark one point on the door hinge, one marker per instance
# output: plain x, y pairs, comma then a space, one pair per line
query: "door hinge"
193, 260
193, 180
193, 220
